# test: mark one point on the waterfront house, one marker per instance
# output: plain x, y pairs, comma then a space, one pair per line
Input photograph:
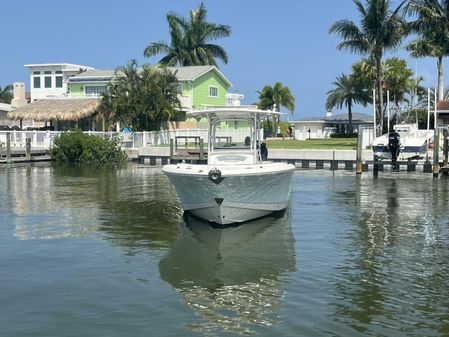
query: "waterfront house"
323, 127
198, 85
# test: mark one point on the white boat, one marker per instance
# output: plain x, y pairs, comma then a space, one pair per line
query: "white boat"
235, 185
413, 143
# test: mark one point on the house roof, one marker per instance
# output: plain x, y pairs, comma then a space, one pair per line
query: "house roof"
64, 65
443, 106
356, 117
61, 109
191, 73
94, 75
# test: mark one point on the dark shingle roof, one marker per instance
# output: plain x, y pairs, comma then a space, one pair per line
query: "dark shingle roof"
344, 117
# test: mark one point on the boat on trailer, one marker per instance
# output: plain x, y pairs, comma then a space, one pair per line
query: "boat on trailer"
413, 143
237, 184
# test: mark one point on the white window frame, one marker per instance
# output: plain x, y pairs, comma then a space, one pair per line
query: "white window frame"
216, 87
96, 90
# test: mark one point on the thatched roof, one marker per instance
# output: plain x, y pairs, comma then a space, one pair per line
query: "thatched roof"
68, 109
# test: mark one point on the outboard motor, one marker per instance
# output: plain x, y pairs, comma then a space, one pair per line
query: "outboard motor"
393, 145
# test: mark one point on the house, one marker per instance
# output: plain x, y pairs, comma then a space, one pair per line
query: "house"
199, 85
49, 80
323, 127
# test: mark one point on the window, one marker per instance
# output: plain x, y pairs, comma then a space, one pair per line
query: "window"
213, 91
180, 87
47, 72
36, 72
47, 81
36, 82
58, 72
58, 81
95, 89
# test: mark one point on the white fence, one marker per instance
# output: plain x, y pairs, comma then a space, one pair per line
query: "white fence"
44, 139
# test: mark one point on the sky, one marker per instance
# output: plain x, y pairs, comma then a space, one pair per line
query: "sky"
282, 40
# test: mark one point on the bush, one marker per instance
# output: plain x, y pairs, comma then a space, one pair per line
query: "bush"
77, 146
344, 135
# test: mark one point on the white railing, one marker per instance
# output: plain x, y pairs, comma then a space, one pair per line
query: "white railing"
44, 139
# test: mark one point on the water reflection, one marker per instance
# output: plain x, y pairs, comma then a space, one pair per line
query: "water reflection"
132, 206
231, 277
397, 258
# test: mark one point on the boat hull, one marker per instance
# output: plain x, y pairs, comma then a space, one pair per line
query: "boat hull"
241, 194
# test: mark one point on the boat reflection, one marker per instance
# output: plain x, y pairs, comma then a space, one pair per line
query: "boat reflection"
231, 277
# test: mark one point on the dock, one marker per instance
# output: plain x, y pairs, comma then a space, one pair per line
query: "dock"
21, 155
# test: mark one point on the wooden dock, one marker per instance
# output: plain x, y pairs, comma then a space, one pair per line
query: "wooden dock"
21, 155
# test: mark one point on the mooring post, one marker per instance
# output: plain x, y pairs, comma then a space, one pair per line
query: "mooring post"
171, 149
201, 148
445, 147
28, 149
8, 147
358, 162
436, 152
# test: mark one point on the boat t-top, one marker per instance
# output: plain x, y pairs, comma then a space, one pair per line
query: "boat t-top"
237, 184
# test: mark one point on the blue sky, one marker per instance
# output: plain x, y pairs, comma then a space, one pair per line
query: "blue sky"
284, 40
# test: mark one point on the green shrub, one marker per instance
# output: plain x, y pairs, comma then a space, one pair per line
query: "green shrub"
77, 146
344, 135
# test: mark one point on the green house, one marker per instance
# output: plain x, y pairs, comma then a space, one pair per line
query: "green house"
199, 85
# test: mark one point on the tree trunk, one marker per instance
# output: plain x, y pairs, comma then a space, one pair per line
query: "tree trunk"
350, 128
379, 92
440, 95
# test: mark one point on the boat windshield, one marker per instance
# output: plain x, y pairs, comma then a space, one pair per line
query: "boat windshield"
232, 135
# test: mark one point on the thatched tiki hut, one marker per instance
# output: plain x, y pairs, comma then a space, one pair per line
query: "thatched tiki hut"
62, 114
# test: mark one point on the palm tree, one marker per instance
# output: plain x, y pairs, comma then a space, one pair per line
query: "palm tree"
141, 99
346, 93
380, 29
190, 40
272, 98
5, 94
432, 26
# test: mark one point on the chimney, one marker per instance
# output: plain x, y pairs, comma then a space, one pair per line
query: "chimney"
19, 95
329, 113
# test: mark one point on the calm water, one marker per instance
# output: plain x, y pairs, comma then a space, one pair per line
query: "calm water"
102, 252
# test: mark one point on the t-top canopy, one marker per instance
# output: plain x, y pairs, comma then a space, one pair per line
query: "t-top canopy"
232, 113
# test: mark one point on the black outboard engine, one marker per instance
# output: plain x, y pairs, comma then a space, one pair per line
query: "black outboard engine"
263, 151
393, 145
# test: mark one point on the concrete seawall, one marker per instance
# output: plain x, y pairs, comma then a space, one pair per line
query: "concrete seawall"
278, 154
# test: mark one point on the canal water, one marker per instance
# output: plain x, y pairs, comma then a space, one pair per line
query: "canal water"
106, 252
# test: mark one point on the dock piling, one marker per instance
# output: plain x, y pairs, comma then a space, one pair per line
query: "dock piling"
28, 149
201, 148
358, 163
436, 152
8, 147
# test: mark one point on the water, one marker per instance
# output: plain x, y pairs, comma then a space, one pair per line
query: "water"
104, 252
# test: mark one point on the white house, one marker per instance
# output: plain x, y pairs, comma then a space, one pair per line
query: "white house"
323, 127
49, 80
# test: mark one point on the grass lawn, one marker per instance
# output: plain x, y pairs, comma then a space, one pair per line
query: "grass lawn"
319, 144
